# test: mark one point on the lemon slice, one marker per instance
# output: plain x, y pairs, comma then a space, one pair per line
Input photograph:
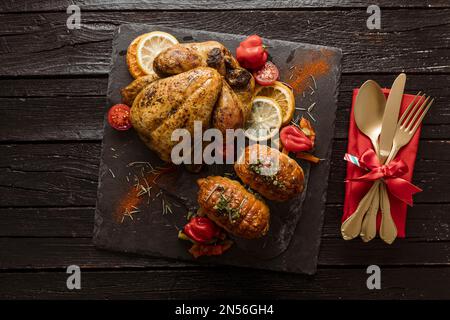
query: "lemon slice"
133, 66
150, 45
265, 119
283, 95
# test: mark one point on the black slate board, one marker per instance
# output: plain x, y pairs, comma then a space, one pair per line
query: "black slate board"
289, 246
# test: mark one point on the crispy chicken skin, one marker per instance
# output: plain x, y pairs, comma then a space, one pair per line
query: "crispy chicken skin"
232, 207
183, 57
229, 112
175, 102
186, 56
130, 92
177, 59
278, 185
245, 95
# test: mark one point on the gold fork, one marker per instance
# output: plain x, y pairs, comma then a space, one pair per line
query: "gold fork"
406, 128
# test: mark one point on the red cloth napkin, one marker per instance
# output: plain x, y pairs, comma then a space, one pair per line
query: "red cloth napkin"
357, 144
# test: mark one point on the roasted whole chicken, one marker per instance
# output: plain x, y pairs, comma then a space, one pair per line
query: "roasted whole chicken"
172, 103
232, 207
270, 172
195, 81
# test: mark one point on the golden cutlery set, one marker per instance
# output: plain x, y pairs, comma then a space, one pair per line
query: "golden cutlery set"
378, 119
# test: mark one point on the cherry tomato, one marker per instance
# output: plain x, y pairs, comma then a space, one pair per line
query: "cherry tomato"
119, 117
267, 75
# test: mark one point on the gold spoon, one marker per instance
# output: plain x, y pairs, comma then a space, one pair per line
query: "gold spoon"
369, 109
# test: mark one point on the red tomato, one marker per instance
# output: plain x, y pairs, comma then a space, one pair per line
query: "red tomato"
119, 117
267, 75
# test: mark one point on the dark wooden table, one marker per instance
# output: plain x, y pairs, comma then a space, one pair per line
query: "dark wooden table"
52, 100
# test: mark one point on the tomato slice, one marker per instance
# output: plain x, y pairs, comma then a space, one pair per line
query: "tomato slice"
119, 117
267, 75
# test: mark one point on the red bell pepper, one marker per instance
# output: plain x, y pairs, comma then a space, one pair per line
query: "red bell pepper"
294, 139
202, 230
251, 53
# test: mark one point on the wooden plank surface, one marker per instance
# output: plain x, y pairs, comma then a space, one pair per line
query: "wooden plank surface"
32, 174
426, 222
78, 105
49, 175
222, 283
41, 44
61, 5
52, 101
52, 253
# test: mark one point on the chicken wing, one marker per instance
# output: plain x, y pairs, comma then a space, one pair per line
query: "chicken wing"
273, 174
229, 112
175, 102
244, 88
186, 56
130, 92
232, 207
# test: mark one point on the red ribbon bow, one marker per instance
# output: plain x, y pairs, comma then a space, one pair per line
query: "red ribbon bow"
390, 173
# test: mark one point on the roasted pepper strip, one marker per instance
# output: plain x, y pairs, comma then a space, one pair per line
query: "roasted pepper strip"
307, 156
294, 140
198, 250
308, 130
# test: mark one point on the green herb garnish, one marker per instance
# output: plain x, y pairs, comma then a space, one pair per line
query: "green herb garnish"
269, 178
190, 215
223, 207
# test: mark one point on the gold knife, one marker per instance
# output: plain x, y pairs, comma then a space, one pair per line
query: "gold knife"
390, 117
388, 230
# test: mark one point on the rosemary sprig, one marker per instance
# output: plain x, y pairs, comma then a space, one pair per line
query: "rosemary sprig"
129, 213
166, 206
314, 81
311, 116
190, 215
311, 107
135, 163
211, 192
